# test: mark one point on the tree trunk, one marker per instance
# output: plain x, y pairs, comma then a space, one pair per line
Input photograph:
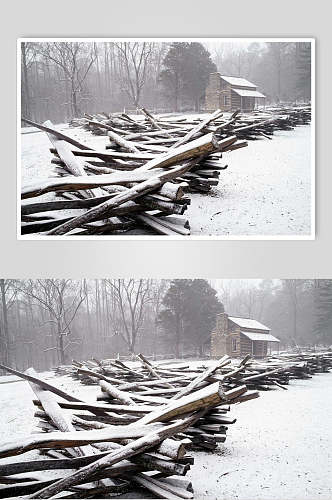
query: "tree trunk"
25, 82
62, 354
7, 347
177, 335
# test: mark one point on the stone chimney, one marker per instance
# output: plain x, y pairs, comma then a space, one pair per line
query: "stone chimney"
212, 92
218, 336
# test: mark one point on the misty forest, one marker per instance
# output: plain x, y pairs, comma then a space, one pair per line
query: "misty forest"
47, 322
62, 80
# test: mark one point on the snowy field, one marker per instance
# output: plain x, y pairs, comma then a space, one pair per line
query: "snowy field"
280, 446
266, 190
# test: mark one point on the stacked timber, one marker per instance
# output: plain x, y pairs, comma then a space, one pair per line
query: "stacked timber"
139, 183
137, 437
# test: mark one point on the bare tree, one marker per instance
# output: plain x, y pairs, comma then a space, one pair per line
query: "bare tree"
61, 299
8, 294
134, 58
28, 53
131, 297
75, 60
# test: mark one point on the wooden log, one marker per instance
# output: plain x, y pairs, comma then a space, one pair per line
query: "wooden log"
158, 382
112, 156
47, 206
204, 398
43, 225
153, 121
85, 182
151, 369
196, 148
153, 461
144, 187
162, 226
121, 141
8, 469
41, 383
97, 407
159, 489
225, 360
217, 114
72, 164
100, 376
115, 392
53, 410
70, 439
57, 134
140, 445
29, 488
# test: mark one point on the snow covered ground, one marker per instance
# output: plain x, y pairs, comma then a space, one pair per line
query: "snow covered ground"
280, 446
266, 190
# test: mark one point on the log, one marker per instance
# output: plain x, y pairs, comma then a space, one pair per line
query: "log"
115, 393
124, 143
150, 368
57, 134
8, 469
42, 384
153, 121
196, 148
85, 182
53, 410
95, 407
204, 398
47, 206
70, 439
144, 187
225, 360
162, 226
65, 153
217, 114
129, 450
157, 488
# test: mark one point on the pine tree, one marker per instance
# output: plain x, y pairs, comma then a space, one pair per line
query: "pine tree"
201, 309
303, 70
323, 311
189, 314
185, 76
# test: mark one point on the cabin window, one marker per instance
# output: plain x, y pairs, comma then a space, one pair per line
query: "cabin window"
234, 344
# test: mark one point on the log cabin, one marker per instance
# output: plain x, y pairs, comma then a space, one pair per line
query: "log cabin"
230, 93
240, 336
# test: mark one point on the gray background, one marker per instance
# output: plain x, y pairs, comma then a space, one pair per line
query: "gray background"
190, 258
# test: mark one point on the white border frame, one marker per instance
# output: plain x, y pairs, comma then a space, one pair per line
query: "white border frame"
312, 235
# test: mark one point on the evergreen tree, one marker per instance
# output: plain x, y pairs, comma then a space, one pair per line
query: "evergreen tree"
189, 314
185, 76
202, 306
303, 70
323, 311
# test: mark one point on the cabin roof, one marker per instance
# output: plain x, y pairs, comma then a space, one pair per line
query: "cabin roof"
249, 323
248, 93
260, 336
240, 82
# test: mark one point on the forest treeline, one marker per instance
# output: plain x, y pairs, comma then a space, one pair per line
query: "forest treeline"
47, 322
62, 80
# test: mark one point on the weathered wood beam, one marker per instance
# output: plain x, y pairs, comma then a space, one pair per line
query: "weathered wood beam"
140, 189
134, 448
